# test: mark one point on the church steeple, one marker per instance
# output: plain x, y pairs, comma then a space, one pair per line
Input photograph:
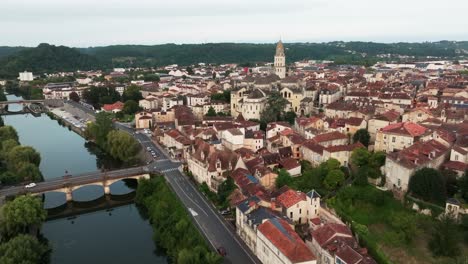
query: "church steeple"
280, 60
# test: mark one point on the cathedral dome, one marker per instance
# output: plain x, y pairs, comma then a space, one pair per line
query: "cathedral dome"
279, 49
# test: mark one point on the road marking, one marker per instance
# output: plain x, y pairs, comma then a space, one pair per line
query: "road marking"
180, 187
161, 160
169, 170
192, 212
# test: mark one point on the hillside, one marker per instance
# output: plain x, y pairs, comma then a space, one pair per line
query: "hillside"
46, 58
49, 58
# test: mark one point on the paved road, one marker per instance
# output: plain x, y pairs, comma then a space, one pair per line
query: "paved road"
60, 182
207, 219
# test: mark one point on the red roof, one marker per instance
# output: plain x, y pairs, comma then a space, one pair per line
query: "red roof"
283, 237
329, 137
405, 128
290, 198
327, 232
115, 106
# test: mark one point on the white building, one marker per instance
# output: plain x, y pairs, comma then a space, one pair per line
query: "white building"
26, 76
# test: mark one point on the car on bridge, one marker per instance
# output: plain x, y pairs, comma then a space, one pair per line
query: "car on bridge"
31, 185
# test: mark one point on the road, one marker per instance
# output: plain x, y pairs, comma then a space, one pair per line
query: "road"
74, 180
208, 220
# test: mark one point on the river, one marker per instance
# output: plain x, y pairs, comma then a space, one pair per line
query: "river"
118, 236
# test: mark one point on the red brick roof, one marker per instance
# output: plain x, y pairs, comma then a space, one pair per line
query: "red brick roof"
290, 198
345, 147
327, 232
405, 128
329, 137
418, 154
115, 106
283, 237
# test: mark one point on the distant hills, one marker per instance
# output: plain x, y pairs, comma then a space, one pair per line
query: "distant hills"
50, 58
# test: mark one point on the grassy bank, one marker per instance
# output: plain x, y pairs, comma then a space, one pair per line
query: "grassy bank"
172, 226
391, 231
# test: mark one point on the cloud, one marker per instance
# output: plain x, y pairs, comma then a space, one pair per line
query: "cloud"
93, 22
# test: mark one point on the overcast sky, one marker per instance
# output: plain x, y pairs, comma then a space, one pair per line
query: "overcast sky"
83, 23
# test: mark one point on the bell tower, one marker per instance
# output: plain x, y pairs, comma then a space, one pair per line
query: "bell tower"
280, 60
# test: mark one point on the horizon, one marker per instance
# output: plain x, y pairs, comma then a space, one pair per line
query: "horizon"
231, 42
88, 23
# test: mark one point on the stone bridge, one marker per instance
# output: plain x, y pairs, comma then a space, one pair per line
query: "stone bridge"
67, 184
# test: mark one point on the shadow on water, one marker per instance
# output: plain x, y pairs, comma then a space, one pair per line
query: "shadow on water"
89, 199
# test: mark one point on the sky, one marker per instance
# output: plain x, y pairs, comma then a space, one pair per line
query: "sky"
84, 23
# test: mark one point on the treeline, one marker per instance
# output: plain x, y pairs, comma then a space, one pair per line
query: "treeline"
49, 58
19, 231
17, 163
173, 229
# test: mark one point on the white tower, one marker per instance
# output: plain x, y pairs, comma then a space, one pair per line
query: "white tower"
280, 60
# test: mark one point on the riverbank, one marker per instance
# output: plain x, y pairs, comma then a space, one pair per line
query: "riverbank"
173, 229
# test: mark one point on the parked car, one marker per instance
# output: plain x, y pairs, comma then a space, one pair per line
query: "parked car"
31, 185
225, 212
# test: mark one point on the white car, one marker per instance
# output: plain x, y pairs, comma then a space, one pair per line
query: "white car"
31, 185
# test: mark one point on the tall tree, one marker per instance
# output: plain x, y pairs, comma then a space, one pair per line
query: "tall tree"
132, 93
20, 155
428, 184
274, 108
211, 112
444, 240
23, 249
363, 136
74, 97
8, 132
130, 107
21, 213
333, 179
122, 146
284, 178
99, 129
360, 157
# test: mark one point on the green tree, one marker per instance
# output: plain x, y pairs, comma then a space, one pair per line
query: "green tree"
132, 92
29, 172
7, 146
151, 77
131, 107
463, 186
122, 146
98, 96
284, 178
189, 70
428, 184
211, 112
224, 190
19, 155
74, 97
363, 136
1, 122
8, 132
274, 108
360, 157
290, 117
405, 226
333, 179
24, 249
21, 213
444, 240
99, 129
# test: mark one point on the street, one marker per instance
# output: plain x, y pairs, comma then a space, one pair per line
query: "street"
206, 218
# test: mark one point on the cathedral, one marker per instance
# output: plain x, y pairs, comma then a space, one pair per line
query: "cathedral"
280, 61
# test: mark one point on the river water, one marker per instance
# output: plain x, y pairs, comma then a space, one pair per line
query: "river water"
118, 236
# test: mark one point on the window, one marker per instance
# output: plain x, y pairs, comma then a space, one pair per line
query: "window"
456, 157
300, 211
393, 139
399, 182
291, 215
